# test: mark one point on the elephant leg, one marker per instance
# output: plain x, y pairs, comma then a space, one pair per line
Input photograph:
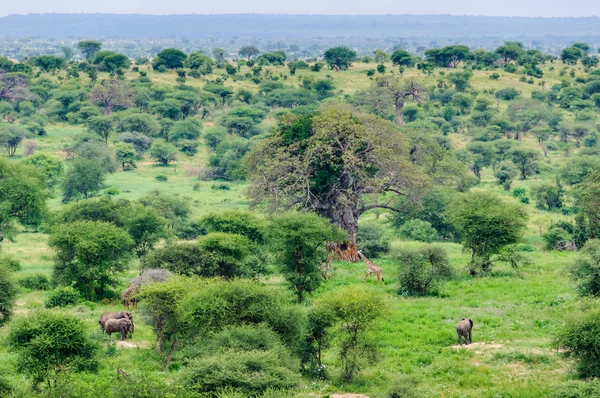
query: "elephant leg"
123, 333
470, 337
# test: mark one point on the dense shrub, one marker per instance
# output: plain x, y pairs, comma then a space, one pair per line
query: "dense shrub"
237, 222
251, 372
185, 259
372, 239
418, 230
221, 303
586, 269
62, 297
10, 263
8, 294
557, 238
577, 389
580, 339
35, 282
49, 344
424, 270
233, 254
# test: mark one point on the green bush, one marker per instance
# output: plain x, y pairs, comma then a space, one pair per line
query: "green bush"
372, 240
63, 297
557, 238
10, 263
162, 178
424, 270
232, 254
577, 389
418, 230
185, 259
222, 303
35, 282
8, 294
586, 269
5, 387
238, 222
403, 387
249, 371
580, 339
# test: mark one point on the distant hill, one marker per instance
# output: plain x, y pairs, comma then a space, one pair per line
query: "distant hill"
132, 26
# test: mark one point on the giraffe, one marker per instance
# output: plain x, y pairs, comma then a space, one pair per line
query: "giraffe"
129, 298
372, 269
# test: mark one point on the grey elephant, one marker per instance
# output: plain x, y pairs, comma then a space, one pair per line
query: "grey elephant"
114, 315
123, 326
464, 329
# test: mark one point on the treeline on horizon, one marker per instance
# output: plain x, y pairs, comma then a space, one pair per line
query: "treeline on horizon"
196, 26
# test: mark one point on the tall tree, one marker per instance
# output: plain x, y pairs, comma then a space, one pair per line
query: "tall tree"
398, 92
89, 48
112, 93
170, 58
14, 87
340, 163
248, 52
339, 57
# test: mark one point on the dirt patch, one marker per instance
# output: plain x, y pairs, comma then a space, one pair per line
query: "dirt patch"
479, 348
132, 344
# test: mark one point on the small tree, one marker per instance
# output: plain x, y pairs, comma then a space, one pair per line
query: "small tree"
163, 152
126, 155
549, 196
505, 173
525, 160
100, 125
355, 309
145, 226
43, 350
423, 270
486, 225
186, 259
248, 52
89, 255
586, 269
372, 239
84, 178
8, 294
11, 137
112, 93
339, 58
170, 58
89, 48
580, 339
300, 239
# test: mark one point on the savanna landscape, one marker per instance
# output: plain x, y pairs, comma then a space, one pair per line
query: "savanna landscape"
300, 222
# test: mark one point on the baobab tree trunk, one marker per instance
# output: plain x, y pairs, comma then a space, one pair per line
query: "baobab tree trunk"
107, 108
347, 220
399, 115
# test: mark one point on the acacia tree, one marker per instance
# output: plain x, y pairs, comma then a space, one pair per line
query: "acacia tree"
398, 92
11, 137
89, 48
248, 52
339, 163
112, 93
339, 57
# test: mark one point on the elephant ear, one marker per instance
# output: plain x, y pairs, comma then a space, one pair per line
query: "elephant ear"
470, 320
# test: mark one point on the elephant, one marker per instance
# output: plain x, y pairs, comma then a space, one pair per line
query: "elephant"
123, 325
463, 329
114, 315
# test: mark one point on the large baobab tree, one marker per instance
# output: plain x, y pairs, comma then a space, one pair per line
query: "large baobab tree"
112, 93
14, 87
398, 92
339, 163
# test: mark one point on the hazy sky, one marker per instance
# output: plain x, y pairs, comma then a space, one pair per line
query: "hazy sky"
546, 8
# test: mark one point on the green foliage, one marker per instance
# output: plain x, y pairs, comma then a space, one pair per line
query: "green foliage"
585, 272
300, 240
185, 259
557, 238
10, 263
50, 166
83, 179
89, 254
232, 254
238, 222
220, 303
424, 270
170, 58
549, 196
22, 197
339, 57
163, 152
126, 155
576, 389
35, 282
63, 297
505, 173
354, 309
8, 294
11, 137
372, 239
419, 230
486, 225
580, 338
43, 349
251, 372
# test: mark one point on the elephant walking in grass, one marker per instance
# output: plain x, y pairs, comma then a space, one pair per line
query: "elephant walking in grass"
464, 329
